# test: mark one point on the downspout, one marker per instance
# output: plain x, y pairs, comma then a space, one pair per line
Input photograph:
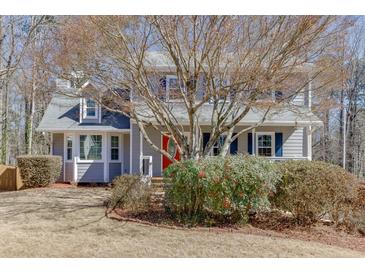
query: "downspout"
309, 128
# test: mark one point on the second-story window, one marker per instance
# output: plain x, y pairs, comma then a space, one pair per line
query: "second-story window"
172, 87
90, 108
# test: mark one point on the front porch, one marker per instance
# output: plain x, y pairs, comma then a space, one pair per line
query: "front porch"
92, 157
274, 142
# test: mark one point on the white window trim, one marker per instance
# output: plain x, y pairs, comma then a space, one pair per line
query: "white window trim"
65, 147
272, 134
119, 148
85, 116
103, 148
168, 78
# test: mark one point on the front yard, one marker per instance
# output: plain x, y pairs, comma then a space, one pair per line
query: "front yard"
70, 222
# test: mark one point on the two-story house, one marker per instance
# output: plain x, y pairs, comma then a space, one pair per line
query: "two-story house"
96, 145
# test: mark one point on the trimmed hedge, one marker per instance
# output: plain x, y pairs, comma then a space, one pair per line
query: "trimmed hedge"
216, 189
39, 171
313, 189
130, 192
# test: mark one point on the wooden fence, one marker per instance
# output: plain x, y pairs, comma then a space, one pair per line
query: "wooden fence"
10, 178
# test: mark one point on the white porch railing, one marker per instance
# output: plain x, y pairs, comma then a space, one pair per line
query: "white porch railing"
146, 166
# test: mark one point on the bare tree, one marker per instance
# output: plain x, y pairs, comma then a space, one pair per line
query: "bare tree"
16, 32
235, 60
342, 105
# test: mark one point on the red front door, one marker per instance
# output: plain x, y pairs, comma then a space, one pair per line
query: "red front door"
169, 145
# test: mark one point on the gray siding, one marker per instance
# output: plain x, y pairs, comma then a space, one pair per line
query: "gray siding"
298, 100
293, 143
156, 139
127, 153
305, 142
114, 170
135, 148
69, 171
302, 98
90, 172
201, 88
58, 149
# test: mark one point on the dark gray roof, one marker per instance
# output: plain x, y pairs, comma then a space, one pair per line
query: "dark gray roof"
162, 60
285, 115
62, 114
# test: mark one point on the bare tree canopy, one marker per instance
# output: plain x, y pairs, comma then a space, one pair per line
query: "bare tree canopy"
236, 60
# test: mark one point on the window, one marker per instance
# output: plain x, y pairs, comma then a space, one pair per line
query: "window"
114, 144
171, 147
265, 144
172, 83
218, 145
270, 96
90, 108
69, 147
219, 90
278, 95
90, 147
172, 87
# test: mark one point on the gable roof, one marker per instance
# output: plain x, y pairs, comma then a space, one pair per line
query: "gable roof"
63, 112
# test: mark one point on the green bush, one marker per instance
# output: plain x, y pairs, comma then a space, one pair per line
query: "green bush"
39, 171
217, 189
313, 189
130, 192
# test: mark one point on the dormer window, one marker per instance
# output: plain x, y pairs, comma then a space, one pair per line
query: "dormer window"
90, 109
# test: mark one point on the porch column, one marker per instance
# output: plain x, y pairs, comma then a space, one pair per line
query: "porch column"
75, 169
104, 149
130, 150
253, 141
140, 153
309, 142
51, 147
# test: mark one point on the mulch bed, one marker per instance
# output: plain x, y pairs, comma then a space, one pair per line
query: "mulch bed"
61, 185
271, 224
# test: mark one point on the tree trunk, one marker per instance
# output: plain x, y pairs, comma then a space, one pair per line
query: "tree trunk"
5, 125
29, 114
341, 143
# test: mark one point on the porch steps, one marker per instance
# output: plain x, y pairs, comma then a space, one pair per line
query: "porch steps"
157, 184
158, 191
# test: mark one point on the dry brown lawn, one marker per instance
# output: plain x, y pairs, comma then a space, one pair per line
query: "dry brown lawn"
70, 222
